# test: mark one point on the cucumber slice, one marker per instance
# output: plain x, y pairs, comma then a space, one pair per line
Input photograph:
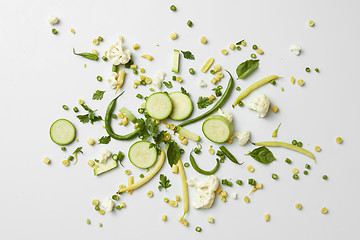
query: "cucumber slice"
62, 132
189, 135
141, 155
176, 61
182, 106
217, 129
158, 106
105, 168
128, 114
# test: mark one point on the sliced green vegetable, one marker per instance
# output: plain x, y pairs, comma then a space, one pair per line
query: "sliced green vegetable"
217, 128
141, 155
182, 106
105, 168
128, 114
158, 105
87, 55
176, 61
187, 134
62, 132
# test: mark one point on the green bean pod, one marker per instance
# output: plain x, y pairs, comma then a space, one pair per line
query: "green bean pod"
215, 107
229, 155
108, 118
199, 170
87, 55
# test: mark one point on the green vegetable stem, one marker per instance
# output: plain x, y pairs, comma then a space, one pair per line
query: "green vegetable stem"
86, 55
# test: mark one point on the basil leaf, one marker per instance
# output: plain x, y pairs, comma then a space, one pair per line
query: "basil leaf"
262, 155
104, 140
247, 67
188, 55
173, 153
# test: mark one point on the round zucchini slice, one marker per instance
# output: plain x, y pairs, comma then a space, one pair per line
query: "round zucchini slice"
141, 155
217, 128
62, 132
182, 106
159, 106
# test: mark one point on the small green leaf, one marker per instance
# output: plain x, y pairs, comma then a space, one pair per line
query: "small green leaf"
203, 102
164, 182
98, 95
173, 153
168, 84
188, 55
262, 155
247, 67
104, 140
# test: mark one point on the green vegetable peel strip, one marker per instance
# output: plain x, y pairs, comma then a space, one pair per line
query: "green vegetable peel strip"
253, 87
229, 155
87, 55
215, 107
199, 170
286, 145
108, 128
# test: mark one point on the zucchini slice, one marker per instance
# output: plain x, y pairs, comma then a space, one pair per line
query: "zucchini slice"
176, 61
141, 155
189, 135
107, 167
128, 114
182, 106
217, 129
62, 132
159, 106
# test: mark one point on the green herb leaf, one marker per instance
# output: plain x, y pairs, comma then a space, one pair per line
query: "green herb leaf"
203, 102
90, 116
83, 118
78, 150
247, 67
98, 95
168, 84
164, 182
188, 55
239, 43
104, 140
262, 155
184, 91
173, 153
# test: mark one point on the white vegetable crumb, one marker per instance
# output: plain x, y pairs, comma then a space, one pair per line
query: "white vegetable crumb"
104, 155
118, 54
53, 20
225, 114
108, 204
243, 137
205, 191
234, 195
112, 79
159, 78
296, 49
260, 104
202, 83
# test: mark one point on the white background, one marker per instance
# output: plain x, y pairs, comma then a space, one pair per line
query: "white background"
40, 74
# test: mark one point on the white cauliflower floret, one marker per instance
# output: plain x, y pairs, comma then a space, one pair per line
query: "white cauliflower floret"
225, 114
118, 54
104, 155
159, 78
243, 137
53, 20
112, 79
205, 191
295, 49
108, 204
260, 104
202, 83
234, 196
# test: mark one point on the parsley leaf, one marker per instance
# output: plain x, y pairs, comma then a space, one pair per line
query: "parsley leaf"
164, 182
88, 117
239, 43
143, 132
168, 84
173, 153
188, 55
203, 102
98, 95
104, 140
184, 91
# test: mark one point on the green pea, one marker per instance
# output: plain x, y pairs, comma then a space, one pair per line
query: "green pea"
306, 172
99, 78
288, 161
191, 71
295, 176
140, 110
65, 107
253, 55
135, 71
186, 164
114, 116
100, 39
307, 166
173, 8
173, 78
143, 82
229, 184
239, 182
299, 144
307, 69
198, 229
241, 104
273, 82
254, 47
139, 96
294, 142
222, 160
325, 177
274, 176
317, 70
63, 148
251, 182
238, 48
118, 207
189, 23
142, 176
75, 109
212, 71
197, 151
54, 31
115, 197
70, 158
104, 58
182, 151
238, 88
97, 208
88, 221
115, 157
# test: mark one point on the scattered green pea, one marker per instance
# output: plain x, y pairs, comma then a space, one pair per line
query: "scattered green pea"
239, 182
88, 221
254, 47
100, 39
238, 88
238, 48
140, 110
241, 104
288, 161
191, 71
115, 197
253, 55
54, 31
295, 176
65, 107
75, 109
135, 71
118, 207
100, 225
274, 176
325, 177
189, 23
142, 176
114, 116
294, 142
104, 58
306, 172
186, 165
70, 158
173, 78
307, 69
307, 166
198, 229
299, 144
173, 8
97, 208
139, 96
63, 148
317, 70
222, 160
273, 82
99, 78
212, 71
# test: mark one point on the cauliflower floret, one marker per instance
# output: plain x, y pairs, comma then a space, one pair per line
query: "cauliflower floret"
53, 20
202, 83
112, 79
225, 114
104, 155
159, 78
260, 104
234, 196
296, 49
118, 54
243, 137
108, 204
205, 191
